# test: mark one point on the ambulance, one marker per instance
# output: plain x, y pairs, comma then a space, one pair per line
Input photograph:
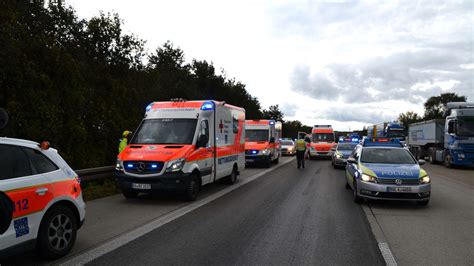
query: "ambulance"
262, 142
41, 204
181, 146
322, 142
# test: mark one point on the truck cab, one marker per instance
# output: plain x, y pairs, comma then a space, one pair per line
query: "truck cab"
262, 142
181, 146
459, 135
322, 142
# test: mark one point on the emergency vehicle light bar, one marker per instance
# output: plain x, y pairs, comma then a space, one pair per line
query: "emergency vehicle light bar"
272, 122
382, 142
322, 125
148, 108
207, 106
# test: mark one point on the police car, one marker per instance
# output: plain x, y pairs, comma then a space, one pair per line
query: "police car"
342, 151
41, 200
384, 169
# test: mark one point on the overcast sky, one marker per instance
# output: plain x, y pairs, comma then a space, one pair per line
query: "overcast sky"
346, 63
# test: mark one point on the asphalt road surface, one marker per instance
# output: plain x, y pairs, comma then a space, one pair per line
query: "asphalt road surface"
289, 216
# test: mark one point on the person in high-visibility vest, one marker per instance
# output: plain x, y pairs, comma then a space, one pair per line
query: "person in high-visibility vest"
300, 152
124, 140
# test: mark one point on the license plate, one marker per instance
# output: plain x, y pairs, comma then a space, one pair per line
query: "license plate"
249, 160
141, 186
399, 189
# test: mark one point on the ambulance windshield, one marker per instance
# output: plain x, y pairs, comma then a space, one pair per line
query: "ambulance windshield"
323, 137
256, 135
165, 131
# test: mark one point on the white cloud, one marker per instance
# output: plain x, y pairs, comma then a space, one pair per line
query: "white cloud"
344, 62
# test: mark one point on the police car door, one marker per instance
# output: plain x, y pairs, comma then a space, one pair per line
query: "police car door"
27, 189
353, 167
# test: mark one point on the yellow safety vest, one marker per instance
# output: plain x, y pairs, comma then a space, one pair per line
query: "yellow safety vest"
300, 145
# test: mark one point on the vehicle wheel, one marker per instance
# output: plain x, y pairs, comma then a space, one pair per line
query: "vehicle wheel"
230, 179
432, 157
348, 186
57, 233
277, 160
447, 161
356, 198
268, 162
423, 203
129, 193
193, 188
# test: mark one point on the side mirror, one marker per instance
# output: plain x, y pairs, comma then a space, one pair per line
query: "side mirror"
307, 140
202, 141
272, 140
351, 160
3, 118
421, 162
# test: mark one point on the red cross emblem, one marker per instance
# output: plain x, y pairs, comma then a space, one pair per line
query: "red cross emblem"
221, 126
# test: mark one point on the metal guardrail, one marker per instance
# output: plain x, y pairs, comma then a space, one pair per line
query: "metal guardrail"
95, 173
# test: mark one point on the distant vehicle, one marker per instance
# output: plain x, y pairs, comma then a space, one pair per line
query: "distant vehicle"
322, 141
394, 130
450, 141
262, 143
342, 152
384, 169
41, 204
182, 146
288, 147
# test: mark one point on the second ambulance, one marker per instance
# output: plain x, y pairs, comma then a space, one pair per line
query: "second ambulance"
262, 144
322, 141
181, 146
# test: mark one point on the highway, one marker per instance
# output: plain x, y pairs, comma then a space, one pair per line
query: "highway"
281, 216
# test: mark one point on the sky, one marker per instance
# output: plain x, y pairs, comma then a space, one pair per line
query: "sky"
344, 63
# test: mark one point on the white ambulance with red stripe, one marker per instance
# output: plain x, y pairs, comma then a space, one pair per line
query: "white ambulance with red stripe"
181, 146
41, 203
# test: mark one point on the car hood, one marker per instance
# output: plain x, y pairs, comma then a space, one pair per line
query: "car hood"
406, 171
345, 152
256, 145
162, 153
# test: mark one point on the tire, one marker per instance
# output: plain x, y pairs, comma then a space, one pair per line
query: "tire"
57, 233
277, 160
230, 179
268, 162
129, 193
431, 157
356, 198
447, 161
192, 189
348, 186
423, 203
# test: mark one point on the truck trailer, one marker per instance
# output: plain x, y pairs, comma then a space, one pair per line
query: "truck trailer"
450, 141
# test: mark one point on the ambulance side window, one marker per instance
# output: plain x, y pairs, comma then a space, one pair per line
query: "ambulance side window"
235, 124
13, 162
204, 130
41, 164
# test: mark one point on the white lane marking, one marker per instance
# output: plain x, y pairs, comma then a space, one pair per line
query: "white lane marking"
125, 238
387, 254
379, 236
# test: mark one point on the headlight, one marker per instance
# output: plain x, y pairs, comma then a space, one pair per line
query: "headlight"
118, 165
266, 152
425, 180
175, 165
338, 156
312, 148
368, 178
290, 149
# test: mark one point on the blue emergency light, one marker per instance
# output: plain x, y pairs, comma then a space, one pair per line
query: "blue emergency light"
384, 142
254, 152
272, 122
148, 108
207, 106
130, 165
154, 166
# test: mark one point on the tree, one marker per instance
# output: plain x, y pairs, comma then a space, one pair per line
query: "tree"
408, 118
274, 113
435, 106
